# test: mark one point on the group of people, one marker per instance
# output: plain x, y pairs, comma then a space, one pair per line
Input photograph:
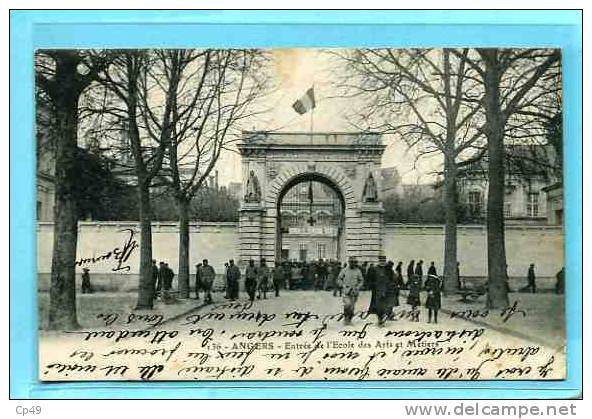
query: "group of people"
383, 279
385, 282
258, 280
162, 278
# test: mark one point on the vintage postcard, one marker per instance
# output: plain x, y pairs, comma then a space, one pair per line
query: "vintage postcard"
300, 214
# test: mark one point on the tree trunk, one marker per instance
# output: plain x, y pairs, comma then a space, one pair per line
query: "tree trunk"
146, 283
62, 294
183, 248
450, 226
497, 285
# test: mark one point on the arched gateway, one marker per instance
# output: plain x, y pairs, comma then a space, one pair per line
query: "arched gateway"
347, 163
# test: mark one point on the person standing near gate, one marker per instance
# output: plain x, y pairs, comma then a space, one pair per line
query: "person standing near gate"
410, 272
350, 279
419, 272
161, 275
207, 276
413, 298
433, 285
198, 284
226, 284
168, 278
278, 278
335, 269
154, 278
86, 286
233, 275
399, 275
251, 279
531, 279
381, 286
263, 279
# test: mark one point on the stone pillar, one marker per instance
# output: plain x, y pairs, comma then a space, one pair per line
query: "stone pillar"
250, 232
371, 225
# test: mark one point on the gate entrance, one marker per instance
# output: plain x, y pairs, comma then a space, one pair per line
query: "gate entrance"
283, 171
310, 221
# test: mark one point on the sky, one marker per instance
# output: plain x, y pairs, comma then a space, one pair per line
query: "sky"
294, 71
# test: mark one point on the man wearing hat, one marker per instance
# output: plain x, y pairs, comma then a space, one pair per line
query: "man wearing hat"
86, 287
207, 276
263, 277
251, 279
381, 287
350, 280
233, 275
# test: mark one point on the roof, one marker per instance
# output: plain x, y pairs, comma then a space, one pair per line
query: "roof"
521, 159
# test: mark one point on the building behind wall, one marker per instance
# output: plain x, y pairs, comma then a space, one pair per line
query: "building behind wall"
301, 239
528, 178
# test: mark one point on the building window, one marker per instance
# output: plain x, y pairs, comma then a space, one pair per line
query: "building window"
475, 202
532, 204
303, 252
39, 209
321, 250
507, 209
285, 254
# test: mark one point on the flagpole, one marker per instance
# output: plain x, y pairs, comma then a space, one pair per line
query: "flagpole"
312, 119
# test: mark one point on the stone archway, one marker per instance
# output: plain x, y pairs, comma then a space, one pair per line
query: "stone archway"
299, 175
274, 161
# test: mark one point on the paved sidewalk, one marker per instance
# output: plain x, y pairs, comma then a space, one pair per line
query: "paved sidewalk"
537, 317
94, 309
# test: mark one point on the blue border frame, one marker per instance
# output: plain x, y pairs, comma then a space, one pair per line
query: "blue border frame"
30, 30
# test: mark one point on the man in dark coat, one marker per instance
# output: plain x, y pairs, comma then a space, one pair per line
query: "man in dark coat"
370, 277
168, 278
198, 285
433, 286
432, 269
410, 271
419, 272
364, 270
161, 275
226, 284
323, 273
399, 272
86, 286
413, 298
531, 279
396, 279
278, 278
233, 275
154, 278
381, 288
251, 279
287, 275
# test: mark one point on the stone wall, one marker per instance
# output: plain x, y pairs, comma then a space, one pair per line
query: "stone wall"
218, 242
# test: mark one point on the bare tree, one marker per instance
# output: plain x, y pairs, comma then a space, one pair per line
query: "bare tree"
126, 80
62, 76
430, 100
215, 93
514, 86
